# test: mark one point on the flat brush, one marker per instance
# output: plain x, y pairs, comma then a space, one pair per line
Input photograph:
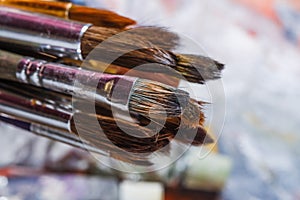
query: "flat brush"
127, 93
98, 17
42, 34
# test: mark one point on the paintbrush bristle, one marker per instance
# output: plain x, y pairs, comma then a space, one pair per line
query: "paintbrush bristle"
197, 68
118, 137
99, 17
160, 37
192, 115
151, 97
194, 68
201, 137
134, 46
190, 124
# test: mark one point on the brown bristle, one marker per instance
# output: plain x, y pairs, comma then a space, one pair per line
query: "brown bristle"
192, 116
158, 99
194, 136
190, 124
194, 68
120, 45
159, 36
113, 136
119, 137
201, 137
99, 17
94, 36
192, 121
197, 68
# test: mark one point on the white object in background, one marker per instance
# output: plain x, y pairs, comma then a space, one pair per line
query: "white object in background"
130, 190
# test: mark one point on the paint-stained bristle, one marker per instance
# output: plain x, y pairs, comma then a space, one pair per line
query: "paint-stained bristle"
99, 17
197, 68
157, 99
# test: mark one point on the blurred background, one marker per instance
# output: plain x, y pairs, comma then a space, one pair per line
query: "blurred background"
258, 150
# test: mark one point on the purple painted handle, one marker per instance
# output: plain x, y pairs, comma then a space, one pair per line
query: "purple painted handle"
15, 122
14, 100
74, 81
43, 33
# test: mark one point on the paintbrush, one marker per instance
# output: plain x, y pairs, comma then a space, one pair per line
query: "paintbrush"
61, 110
40, 33
189, 118
190, 122
98, 17
126, 93
108, 139
19, 102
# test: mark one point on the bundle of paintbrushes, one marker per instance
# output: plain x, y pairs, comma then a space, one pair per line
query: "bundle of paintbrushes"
52, 86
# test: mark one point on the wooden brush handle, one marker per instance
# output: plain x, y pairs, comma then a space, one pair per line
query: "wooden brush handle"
97, 17
59, 9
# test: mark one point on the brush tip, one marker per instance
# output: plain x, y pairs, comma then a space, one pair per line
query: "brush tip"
197, 68
202, 137
195, 137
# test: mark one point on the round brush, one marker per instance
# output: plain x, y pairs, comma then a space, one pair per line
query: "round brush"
126, 93
103, 134
190, 122
62, 38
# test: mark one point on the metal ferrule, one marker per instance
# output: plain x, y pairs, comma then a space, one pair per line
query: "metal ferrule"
115, 90
42, 33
